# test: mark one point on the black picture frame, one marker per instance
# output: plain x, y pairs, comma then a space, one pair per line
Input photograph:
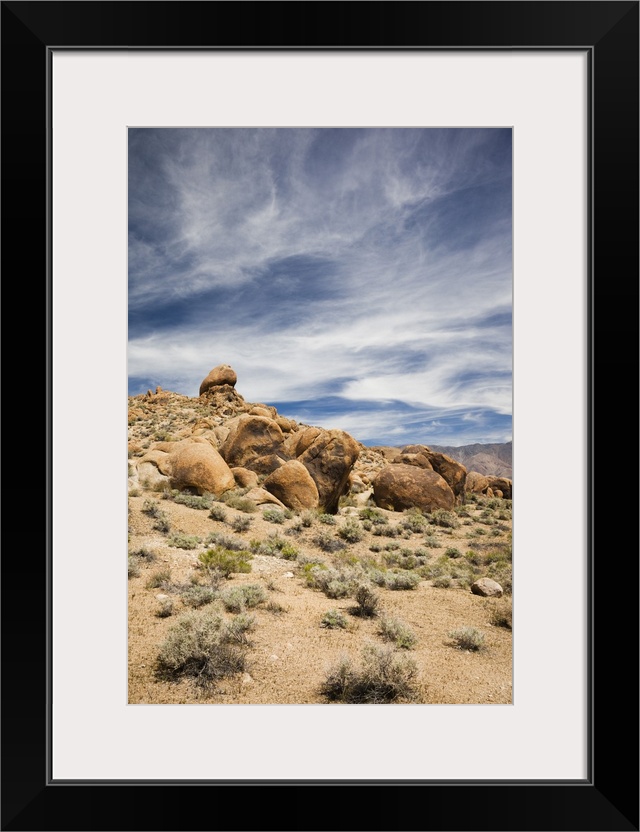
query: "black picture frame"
608, 798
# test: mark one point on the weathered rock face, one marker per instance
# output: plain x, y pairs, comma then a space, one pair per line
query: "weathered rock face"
245, 478
297, 443
329, 459
198, 465
487, 588
293, 485
451, 471
500, 484
399, 487
222, 374
250, 437
476, 483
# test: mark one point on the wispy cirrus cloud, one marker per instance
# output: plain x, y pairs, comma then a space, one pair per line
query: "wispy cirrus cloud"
361, 267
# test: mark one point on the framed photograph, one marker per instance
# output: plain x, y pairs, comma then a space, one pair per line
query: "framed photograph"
561, 81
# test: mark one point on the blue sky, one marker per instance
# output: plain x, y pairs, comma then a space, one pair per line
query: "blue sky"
354, 278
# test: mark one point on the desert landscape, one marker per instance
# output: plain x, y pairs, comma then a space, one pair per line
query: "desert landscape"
275, 562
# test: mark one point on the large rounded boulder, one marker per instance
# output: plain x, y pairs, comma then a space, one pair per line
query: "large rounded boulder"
398, 487
293, 485
198, 465
329, 459
251, 437
220, 375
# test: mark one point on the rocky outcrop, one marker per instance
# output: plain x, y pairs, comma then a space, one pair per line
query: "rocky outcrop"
451, 471
245, 478
293, 485
222, 374
250, 437
502, 485
476, 483
398, 487
198, 465
329, 459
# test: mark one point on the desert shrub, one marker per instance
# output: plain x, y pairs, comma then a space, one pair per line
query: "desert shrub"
162, 523
473, 558
374, 515
334, 620
239, 626
391, 547
289, 552
144, 554
501, 572
432, 542
386, 530
232, 494
367, 601
133, 566
193, 500
242, 504
452, 552
328, 543
165, 609
442, 581
159, 578
350, 531
327, 519
151, 508
443, 518
238, 598
375, 547
395, 630
217, 512
413, 520
335, 583
225, 561
179, 540
273, 515
203, 647
307, 518
347, 500
134, 492
467, 638
275, 607
226, 541
241, 523
198, 596
401, 580
501, 613
383, 677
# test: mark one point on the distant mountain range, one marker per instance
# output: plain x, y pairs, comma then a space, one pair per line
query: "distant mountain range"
491, 459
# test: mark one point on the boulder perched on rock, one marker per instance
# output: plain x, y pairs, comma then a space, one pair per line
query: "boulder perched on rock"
198, 465
293, 485
487, 588
329, 459
398, 487
261, 496
245, 478
222, 374
451, 471
250, 437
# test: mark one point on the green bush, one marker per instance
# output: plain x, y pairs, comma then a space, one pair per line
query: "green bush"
197, 596
218, 513
334, 620
159, 579
392, 629
193, 501
273, 515
225, 561
351, 531
179, 540
467, 638
226, 541
238, 598
241, 523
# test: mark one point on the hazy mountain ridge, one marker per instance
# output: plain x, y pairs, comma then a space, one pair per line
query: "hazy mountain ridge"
492, 459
